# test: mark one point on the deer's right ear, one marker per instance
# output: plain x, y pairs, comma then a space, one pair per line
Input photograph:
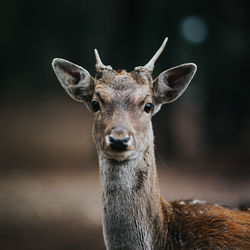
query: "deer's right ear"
76, 80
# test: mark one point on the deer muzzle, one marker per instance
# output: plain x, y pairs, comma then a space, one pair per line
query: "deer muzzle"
119, 139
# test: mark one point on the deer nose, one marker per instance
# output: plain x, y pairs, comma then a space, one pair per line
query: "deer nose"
118, 138
118, 144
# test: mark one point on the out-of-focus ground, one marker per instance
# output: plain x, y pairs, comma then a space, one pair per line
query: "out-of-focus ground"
50, 195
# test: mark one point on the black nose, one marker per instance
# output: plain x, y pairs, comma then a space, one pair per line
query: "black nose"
118, 144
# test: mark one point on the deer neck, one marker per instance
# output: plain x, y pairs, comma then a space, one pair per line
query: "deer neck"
131, 200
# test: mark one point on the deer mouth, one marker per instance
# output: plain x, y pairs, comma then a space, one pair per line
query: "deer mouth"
119, 155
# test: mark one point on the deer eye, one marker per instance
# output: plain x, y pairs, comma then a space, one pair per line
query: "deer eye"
95, 106
148, 107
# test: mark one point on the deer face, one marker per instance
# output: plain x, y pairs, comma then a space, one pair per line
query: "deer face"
122, 108
122, 103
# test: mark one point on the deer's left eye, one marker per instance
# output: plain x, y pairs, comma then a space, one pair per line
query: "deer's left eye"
148, 107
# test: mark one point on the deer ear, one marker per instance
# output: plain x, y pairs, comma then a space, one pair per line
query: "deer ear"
170, 84
76, 80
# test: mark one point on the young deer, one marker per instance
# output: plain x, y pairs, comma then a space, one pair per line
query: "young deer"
134, 214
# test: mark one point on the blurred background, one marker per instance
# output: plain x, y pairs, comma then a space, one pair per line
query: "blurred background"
50, 196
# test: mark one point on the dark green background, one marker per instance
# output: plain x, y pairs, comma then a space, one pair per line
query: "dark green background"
127, 33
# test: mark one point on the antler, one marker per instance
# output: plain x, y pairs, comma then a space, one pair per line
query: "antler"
150, 65
99, 65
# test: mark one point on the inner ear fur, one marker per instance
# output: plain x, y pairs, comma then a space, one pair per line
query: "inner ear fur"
76, 80
171, 83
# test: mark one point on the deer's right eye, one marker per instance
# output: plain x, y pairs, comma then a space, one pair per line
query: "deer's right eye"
95, 106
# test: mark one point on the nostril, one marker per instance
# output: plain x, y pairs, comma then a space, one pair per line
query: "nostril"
118, 144
111, 139
125, 139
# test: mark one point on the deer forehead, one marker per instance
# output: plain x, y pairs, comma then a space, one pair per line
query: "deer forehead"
123, 87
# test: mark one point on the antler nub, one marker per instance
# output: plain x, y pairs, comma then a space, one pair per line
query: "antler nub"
150, 65
99, 65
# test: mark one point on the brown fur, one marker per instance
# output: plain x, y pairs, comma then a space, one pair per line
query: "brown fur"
205, 226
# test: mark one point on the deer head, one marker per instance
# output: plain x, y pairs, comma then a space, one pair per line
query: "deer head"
123, 102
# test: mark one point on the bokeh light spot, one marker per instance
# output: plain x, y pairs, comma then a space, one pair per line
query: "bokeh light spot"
194, 29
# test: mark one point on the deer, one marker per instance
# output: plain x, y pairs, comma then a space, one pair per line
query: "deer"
134, 215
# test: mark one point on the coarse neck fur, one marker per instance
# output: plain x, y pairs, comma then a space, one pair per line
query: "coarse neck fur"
131, 200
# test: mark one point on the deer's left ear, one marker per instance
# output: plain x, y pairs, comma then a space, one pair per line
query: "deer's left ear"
170, 84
